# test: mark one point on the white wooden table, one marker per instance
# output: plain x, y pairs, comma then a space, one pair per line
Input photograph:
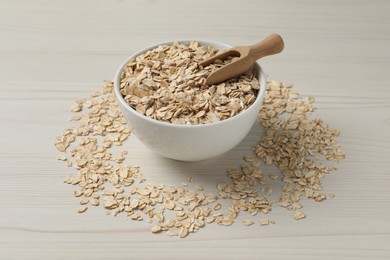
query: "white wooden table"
54, 52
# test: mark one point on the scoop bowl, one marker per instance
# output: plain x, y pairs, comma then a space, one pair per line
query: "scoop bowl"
190, 142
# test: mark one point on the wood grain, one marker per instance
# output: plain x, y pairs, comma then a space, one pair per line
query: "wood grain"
53, 52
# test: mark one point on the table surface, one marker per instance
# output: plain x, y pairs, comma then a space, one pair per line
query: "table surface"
54, 52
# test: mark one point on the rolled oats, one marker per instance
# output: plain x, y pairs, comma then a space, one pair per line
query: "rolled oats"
291, 139
168, 84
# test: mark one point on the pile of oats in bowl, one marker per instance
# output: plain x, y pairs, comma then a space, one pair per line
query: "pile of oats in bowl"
168, 84
294, 142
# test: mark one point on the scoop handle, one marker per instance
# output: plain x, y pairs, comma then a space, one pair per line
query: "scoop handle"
271, 45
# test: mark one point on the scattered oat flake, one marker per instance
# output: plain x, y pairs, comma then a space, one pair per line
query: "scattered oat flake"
183, 232
227, 221
247, 222
217, 206
209, 219
61, 158
75, 107
169, 204
299, 215
84, 201
264, 222
290, 140
156, 229
94, 202
77, 193
82, 209
171, 233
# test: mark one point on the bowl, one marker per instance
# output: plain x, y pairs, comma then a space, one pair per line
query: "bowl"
190, 142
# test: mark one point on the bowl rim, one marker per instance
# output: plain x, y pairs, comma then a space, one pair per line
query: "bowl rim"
121, 100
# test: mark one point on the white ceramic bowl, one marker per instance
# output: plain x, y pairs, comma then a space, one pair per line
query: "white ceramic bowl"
191, 142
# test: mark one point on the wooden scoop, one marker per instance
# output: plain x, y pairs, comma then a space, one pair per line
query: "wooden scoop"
248, 55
